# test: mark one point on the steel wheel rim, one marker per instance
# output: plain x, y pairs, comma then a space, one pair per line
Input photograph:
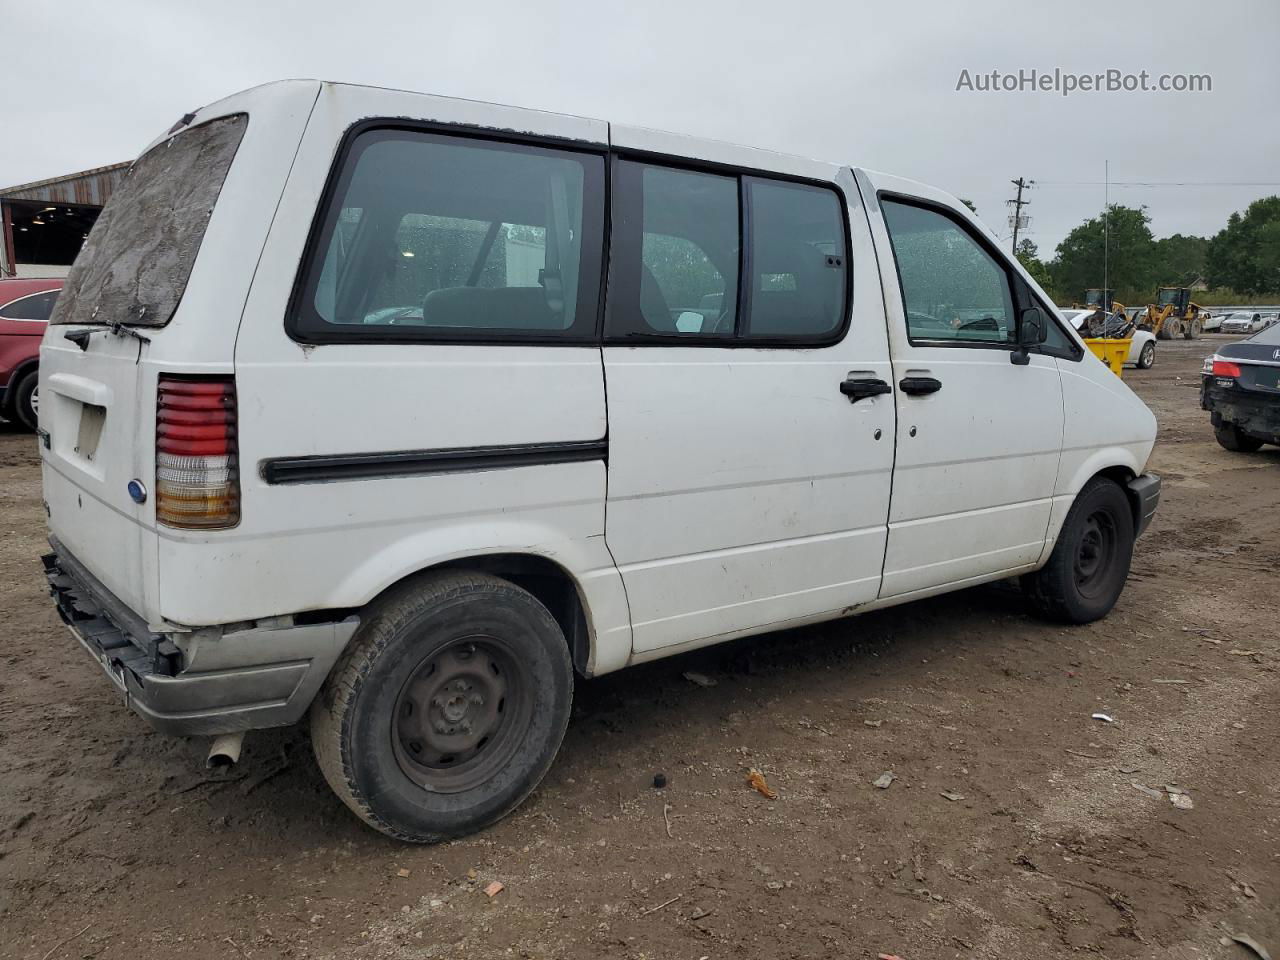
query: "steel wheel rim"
459, 717
1095, 553
35, 400
1148, 354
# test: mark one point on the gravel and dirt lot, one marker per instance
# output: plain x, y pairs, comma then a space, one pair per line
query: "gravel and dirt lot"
1017, 827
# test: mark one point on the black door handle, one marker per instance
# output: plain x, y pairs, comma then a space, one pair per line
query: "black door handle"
919, 386
859, 388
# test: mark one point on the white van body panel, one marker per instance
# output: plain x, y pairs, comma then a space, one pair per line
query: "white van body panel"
90, 511
976, 461
742, 491
1107, 426
370, 397
745, 491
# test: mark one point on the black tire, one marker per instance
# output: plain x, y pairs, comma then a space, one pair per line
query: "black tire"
1230, 437
1147, 358
24, 400
1193, 329
366, 719
1089, 564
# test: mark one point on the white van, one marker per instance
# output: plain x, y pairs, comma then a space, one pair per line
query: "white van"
401, 411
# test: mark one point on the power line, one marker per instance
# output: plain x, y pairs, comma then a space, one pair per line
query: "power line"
1157, 183
1016, 219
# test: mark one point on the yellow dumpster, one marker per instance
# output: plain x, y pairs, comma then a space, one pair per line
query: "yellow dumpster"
1111, 351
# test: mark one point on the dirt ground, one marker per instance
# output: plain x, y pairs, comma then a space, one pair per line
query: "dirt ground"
1014, 828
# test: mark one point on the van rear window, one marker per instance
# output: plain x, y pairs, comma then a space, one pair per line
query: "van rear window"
443, 238
135, 264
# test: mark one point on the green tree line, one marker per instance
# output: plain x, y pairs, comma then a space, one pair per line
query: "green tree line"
1241, 263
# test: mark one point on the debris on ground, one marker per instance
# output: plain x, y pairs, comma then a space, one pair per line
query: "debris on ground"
402, 873
1247, 941
701, 679
1128, 769
872, 723
1103, 717
1244, 887
761, 785
493, 889
884, 780
1149, 791
665, 903
952, 795
659, 781
1181, 801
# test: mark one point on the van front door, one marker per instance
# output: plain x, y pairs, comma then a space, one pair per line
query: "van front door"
979, 436
750, 422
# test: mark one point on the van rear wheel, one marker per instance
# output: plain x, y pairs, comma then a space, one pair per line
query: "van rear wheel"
447, 709
1090, 562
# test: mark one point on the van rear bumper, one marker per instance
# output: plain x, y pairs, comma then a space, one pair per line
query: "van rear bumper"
221, 681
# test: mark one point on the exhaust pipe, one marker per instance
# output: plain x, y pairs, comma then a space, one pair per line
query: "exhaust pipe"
225, 751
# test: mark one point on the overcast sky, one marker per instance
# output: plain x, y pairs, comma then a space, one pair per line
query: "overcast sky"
872, 84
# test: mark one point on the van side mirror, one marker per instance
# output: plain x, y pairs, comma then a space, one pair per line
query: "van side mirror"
1032, 331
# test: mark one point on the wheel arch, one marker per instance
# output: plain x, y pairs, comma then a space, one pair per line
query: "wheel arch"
21, 370
1118, 464
583, 606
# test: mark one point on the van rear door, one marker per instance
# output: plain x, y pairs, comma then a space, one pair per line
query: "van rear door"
158, 288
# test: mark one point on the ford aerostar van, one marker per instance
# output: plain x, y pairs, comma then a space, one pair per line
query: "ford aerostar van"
400, 412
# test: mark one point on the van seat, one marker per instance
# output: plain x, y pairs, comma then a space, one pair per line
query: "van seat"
504, 308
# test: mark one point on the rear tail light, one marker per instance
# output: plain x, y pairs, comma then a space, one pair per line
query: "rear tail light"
197, 476
1225, 368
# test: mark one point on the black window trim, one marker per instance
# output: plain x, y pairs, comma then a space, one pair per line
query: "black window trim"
425, 335
739, 339
317, 235
1020, 293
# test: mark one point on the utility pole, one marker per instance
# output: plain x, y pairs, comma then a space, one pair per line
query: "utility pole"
1016, 219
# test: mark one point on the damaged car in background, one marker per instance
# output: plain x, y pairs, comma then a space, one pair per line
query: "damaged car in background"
1240, 387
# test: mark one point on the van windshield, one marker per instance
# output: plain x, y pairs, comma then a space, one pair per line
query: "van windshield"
135, 264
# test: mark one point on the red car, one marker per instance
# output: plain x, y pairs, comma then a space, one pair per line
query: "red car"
25, 306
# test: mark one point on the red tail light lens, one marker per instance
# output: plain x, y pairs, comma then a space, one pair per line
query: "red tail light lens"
1225, 368
197, 476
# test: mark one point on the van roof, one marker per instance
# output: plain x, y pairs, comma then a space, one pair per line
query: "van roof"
643, 139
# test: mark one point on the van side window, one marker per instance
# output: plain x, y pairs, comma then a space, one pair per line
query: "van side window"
677, 259
953, 290
675, 252
431, 237
798, 260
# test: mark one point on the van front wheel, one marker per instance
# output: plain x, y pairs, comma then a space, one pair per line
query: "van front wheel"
447, 709
1090, 562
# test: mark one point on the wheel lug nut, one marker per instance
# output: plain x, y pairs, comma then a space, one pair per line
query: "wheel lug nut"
477, 699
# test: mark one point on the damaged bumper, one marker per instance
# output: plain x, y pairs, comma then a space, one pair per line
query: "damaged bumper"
213, 680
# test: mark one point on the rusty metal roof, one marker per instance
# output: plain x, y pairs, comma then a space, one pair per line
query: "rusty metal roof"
88, 187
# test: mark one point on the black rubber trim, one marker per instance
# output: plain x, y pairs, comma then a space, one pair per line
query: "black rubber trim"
1144, 492
403, 463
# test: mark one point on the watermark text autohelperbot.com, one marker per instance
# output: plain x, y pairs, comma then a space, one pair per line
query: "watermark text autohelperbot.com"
1065, 83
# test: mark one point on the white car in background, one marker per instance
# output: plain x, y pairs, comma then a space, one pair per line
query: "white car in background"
1242, 323
1142, 351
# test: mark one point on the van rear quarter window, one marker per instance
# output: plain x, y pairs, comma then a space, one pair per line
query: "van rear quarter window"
135, 265
432, 237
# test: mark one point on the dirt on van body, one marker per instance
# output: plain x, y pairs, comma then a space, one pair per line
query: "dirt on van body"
1015, 824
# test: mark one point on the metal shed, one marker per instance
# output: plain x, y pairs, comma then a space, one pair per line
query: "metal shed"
43, 224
